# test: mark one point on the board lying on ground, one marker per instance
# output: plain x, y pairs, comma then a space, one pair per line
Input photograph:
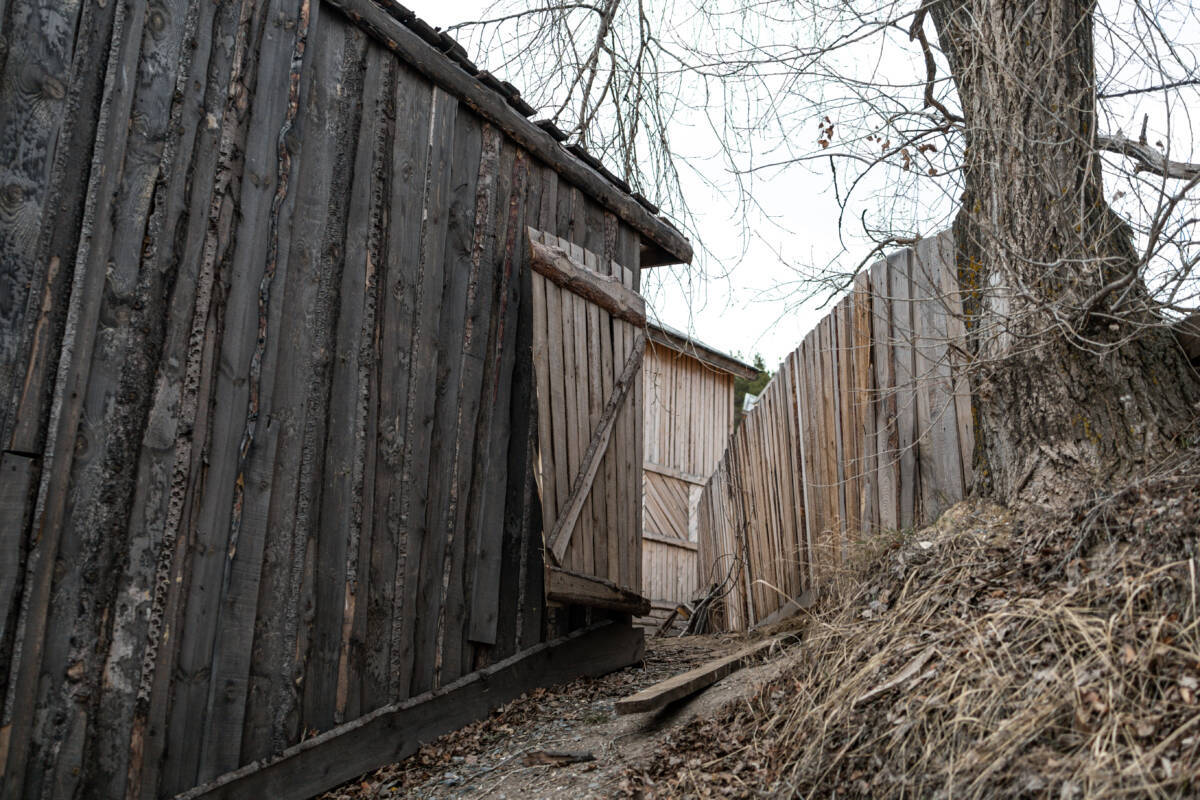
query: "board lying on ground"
672, 689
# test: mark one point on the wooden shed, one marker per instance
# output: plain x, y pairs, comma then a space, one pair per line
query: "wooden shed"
689, 415
279, 463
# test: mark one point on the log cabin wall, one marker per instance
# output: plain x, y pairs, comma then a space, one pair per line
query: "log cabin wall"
268, 414
865, 427
689, 415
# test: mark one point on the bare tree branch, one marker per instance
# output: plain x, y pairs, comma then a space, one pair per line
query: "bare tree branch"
1162, 87
1149, 159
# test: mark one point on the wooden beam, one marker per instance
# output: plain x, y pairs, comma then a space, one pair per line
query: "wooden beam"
490, 105
680, 686
603, 290
564, 526
572, 588
396, 731
654, 537
671, 472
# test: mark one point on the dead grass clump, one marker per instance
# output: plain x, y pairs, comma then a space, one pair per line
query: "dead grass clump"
990, 655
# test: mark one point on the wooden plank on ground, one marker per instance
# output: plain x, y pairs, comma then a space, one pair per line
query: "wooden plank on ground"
692, 681
398, 730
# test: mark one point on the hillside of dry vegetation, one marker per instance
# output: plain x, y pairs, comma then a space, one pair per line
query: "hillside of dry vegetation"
995, 654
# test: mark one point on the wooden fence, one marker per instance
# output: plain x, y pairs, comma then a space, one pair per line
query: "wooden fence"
865, 427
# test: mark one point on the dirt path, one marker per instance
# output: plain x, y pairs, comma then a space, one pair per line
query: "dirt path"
489, 758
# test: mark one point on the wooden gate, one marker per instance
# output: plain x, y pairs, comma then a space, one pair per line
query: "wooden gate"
588, 344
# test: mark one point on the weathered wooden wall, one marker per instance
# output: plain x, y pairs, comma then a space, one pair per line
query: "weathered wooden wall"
265, 386
668, 571
866, 426
689, 411
688, 416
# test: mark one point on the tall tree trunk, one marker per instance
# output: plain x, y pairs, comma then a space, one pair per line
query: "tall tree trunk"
1068, 397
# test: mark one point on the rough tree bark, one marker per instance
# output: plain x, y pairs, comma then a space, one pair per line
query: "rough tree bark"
1067, 399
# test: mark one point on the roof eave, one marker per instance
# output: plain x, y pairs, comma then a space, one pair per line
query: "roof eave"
667, 245
702, 353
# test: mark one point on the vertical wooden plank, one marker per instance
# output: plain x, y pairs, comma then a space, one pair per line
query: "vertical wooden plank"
583, 540
631, 263
511, 241
941, 454
561, 428
541, 362
887, 463
959, 362
864, 402
334, 529
451, 338
17, 476
408, 162
596, 400
489, 223
902, 346
415, 496
574, 442
378, 115
799, 378
842, 424
521, 598
607, 377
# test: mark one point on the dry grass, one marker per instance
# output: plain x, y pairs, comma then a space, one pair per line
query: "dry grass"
1030, 655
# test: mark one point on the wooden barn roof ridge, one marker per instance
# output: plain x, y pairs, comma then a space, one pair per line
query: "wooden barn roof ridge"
677, 340
441, 59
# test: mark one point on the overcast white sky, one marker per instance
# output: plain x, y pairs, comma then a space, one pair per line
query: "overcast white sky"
738, 297
743, 295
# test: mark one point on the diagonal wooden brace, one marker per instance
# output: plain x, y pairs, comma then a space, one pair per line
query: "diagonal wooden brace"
560, 538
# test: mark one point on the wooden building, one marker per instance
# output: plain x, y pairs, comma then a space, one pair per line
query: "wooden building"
689, 415
278, 460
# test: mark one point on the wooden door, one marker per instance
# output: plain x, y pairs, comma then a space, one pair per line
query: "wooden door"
588, 343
